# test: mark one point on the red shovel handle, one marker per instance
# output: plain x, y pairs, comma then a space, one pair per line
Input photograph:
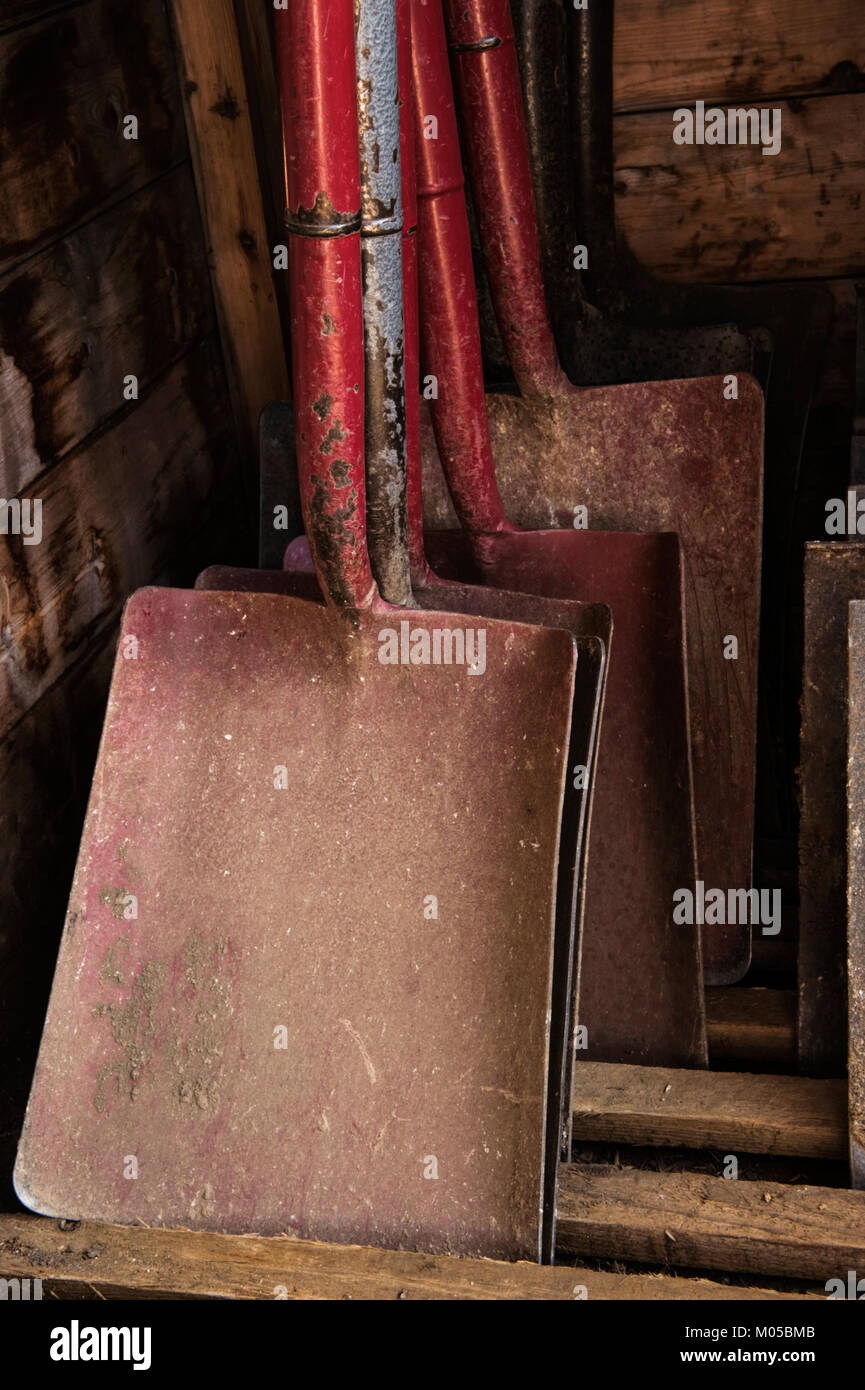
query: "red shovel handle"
488, 81
450, 336
316, 61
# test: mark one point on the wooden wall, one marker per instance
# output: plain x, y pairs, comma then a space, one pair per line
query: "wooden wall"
104, 273
729, 214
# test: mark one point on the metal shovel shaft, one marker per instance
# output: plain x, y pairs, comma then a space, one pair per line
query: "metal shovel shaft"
381, 233
323, 217
487, 76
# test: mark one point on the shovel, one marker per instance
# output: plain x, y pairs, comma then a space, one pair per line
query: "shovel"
304, 981
673, 455
834, 578
589, 623
640, 981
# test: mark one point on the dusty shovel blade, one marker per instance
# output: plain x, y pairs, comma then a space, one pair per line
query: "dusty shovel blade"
287, 1037
664, 456
856, 891
641, 985
834, 575
590, 624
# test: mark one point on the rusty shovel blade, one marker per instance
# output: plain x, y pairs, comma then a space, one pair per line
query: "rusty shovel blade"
663, 456
306, 967
641, 989
590, 624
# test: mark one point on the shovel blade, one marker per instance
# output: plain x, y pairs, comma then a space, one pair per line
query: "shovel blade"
305, 975
664, 456
591, 626
641, 987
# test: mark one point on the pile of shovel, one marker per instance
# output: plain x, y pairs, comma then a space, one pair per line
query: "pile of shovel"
386, 838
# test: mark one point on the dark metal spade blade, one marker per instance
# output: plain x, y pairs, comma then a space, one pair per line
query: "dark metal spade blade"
590, 624
641, 976
686, 462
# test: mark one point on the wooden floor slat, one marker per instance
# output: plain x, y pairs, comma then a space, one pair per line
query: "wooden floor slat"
688, 1220
751, 1027
113, 1260
735, 1111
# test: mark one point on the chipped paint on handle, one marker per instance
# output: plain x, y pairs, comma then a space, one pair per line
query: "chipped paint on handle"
323, 221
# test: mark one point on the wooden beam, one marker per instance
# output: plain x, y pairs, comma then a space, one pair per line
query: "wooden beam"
241, 257
66, 84
710, 212
855, 886
686, 1219
255, 29
149, 1262
751, 1027
17, 12
118, 511
128, 293
730, 50
735, 1112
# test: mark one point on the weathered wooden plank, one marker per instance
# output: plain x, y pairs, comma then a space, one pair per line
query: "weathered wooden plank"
223, 150
776, 955
15, 12
737, 1112
727, 212
153, 1262
673, 54
66, 85
127, 293
689, 1220
255, 31
112, 515
856, 891
751, 1027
